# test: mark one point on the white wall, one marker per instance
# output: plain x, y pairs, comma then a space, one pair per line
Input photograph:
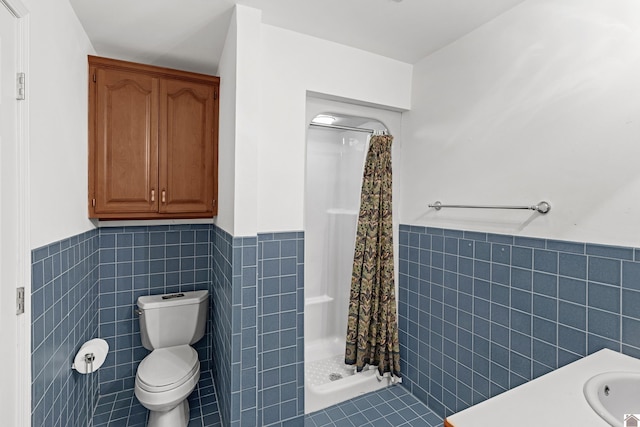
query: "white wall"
248, 119
265, 75
540, 103
292, 65
57, 97
240, 115
227, 70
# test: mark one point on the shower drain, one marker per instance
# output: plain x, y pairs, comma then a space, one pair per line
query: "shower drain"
335, 376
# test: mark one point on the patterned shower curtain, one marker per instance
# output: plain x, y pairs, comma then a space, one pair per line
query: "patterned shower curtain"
372, 330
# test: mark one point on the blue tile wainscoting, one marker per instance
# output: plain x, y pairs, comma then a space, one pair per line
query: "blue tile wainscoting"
87, 286
235, 333
137, 261
244, 347
478, 314
482, 313
64, 315
281, 329
257, 338
221, 314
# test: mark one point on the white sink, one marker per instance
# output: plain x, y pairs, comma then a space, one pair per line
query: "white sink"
613, 394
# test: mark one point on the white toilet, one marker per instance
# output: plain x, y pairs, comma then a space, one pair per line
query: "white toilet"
166, 377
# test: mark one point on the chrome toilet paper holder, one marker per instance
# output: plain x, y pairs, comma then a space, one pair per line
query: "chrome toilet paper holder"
90, 357
88, 361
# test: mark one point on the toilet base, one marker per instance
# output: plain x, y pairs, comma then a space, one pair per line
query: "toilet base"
177, 417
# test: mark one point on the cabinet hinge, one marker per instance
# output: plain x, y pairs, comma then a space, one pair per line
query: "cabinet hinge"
93, 202
19, 300
94, 77
20, 86
213, 203
215, 94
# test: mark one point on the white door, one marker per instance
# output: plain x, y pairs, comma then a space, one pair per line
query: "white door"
9, 205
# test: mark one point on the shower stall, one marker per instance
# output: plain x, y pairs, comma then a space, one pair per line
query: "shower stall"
336, 154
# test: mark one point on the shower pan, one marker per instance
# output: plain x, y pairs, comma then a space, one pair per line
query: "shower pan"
336, 151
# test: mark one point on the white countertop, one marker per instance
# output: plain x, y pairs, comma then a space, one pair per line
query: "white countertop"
554, 399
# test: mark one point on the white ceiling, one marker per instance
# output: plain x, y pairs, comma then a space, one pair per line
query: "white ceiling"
190, 34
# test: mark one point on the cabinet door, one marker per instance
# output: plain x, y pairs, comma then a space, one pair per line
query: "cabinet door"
126, 142
186, 149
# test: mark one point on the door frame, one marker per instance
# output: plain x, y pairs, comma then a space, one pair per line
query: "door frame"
23, 387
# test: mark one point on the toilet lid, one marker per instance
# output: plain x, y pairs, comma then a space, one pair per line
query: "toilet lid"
167, 366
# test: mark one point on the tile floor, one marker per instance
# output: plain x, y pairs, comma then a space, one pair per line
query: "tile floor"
391, 407
123, 409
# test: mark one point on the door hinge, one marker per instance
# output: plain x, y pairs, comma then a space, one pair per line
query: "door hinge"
20, 300
20, 86
215, 94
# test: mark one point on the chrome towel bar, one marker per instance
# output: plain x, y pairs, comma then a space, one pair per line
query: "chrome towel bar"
542, 207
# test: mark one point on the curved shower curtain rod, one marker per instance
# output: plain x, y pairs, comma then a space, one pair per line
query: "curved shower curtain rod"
355, 129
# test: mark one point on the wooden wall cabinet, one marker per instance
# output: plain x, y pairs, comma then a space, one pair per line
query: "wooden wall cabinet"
153, 142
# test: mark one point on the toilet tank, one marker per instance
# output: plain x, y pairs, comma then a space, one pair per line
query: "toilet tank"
172, 319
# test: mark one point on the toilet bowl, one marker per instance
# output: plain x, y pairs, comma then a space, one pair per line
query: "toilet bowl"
164, 380
168, 375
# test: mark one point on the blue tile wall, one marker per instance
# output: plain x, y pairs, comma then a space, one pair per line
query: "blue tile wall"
64, 310
221, 314
258, 316
281, 329
137, 261
254, 339
244, 339
482, 313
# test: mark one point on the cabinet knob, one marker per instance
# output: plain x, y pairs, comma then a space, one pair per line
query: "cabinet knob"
153, 195
164, 196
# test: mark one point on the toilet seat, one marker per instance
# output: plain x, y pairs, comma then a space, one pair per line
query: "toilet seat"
167, 368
